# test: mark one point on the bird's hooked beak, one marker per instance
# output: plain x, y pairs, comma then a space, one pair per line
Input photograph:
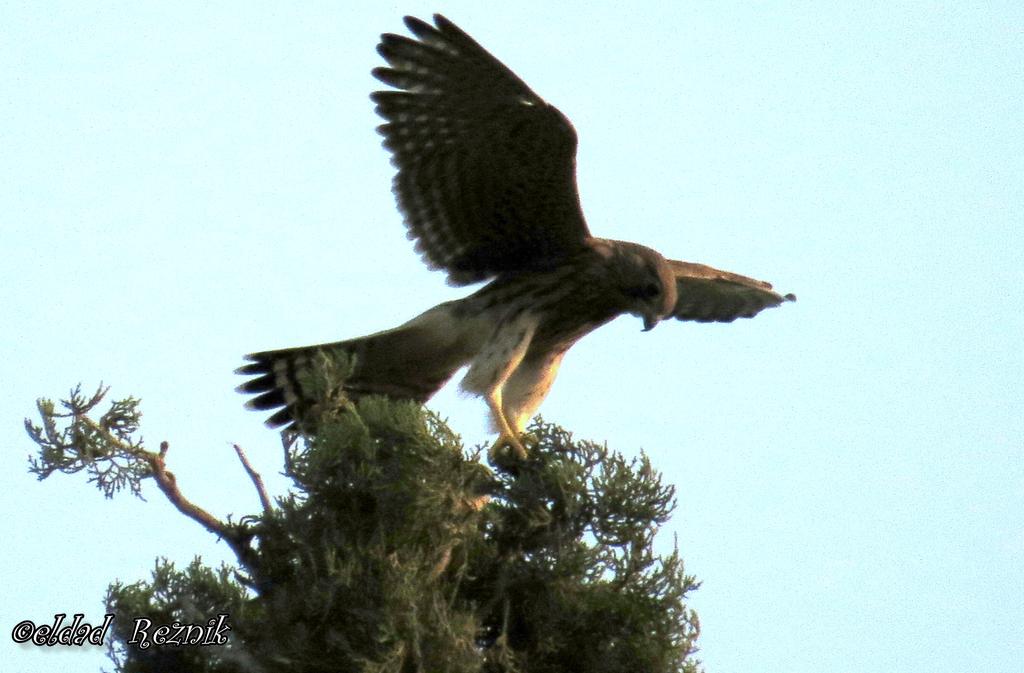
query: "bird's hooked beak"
652, 315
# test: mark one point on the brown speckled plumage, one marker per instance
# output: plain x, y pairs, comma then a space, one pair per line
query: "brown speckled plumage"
486, 183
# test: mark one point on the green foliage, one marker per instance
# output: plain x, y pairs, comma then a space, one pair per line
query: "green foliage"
190, 596
396, 551
568, 570
350, 563
105, 448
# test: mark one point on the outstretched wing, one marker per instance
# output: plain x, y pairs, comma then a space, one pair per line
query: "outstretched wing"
486, 169
710, 295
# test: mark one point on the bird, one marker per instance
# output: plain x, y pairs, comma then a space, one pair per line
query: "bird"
486, 182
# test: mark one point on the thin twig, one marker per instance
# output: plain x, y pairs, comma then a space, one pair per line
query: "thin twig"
257, 480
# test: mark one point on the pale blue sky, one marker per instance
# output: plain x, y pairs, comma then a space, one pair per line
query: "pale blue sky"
182, 184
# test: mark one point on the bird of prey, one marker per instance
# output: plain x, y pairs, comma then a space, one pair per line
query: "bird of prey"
486, 182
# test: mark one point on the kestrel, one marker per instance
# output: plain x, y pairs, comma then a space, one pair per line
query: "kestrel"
487, 185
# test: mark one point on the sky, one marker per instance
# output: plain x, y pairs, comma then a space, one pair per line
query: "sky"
181, 184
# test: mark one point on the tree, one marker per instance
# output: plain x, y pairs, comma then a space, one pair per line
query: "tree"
398, 551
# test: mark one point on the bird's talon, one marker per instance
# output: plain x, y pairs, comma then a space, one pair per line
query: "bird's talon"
511, 442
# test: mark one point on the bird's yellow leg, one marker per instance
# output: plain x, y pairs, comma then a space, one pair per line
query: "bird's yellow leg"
506, 436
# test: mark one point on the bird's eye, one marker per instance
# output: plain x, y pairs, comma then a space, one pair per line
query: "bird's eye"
651, 290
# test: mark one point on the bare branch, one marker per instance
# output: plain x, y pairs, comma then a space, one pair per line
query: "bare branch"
257, 480
167, 483
115, 458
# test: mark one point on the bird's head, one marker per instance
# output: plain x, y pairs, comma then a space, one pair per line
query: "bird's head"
645, 280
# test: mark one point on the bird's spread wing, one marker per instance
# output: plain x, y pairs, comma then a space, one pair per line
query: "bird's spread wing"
486, 169
709, 295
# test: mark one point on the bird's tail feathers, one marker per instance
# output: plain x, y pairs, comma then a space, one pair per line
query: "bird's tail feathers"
412, 361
